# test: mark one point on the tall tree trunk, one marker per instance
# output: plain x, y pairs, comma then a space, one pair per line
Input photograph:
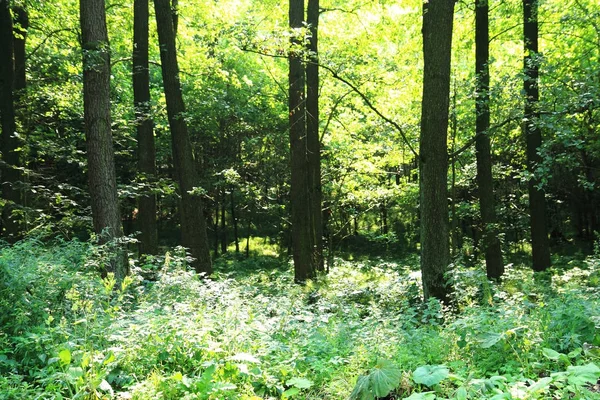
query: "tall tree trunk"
11, 175
312, 134
193, 224
437, 45
485, 183
540, 243
145, 133
302, 243
234, 223
223, 223
96, 106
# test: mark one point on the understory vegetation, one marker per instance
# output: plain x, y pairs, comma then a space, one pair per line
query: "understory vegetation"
361, 332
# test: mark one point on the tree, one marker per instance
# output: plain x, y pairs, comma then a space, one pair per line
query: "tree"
540, 244
437, 44
485, 182
96, 104
302, 238
313, 142
11, 175
144, 124
193, 224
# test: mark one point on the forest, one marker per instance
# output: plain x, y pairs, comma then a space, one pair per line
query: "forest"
300, 199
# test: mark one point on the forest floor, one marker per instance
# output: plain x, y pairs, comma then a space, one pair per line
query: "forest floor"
361, 332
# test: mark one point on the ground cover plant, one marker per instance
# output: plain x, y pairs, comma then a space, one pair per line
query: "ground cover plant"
361, 332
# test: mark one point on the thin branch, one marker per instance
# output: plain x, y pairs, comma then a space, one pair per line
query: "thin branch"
371, 106
48, 36
332, 113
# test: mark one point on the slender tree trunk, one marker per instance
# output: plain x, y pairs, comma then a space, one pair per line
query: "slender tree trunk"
223, 224
96, 105
234, 222
312, 134
193, 224
145, 132
437, 45
453, 192
540, 243
11, 175
302, 243
485, 183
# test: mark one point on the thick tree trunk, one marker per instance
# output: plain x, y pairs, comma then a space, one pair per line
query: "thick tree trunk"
485, 183
540, 243
437, 45
11, 175
302, 243
96, 105
193, 224
145, 133
312, 135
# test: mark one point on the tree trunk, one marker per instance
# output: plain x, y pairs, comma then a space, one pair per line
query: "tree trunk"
485, 183
11, 175
437, 45
223, 224
96, 106
302, 243
312, 134
234, 222
193, 224
540, 243
145, 133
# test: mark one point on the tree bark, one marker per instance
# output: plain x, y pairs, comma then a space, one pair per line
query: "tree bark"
96, 105
234, 223
11, 175
193, 224
540, 243
485, 182
437, 45
148, 243
312, 135
302, 243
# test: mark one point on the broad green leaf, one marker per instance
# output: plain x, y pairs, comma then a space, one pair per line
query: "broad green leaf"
421, 396
430, 375
300, 383
551, 354
461, 393
385, 377
542, 384
290, 392
65, 356
362, 389
245, 357
489, 339
583, 374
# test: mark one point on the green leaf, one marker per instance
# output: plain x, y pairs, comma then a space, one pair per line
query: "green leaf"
430, 375
245, 357
489, 339
65, 356
542, 384
362, 389
290, 392
300, 383
583, 374
385, 377
551, 354
461, 393
421, 396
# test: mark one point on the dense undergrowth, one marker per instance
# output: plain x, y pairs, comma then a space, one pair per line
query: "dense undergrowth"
250, 333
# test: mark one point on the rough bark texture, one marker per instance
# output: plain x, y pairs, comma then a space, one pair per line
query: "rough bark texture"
10, 158
145, 133
437, 43
312, 134
540, 243
193, 224
96, 104
491, 242
302, 243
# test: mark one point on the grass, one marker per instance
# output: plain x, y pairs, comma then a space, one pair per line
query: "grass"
250, 333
